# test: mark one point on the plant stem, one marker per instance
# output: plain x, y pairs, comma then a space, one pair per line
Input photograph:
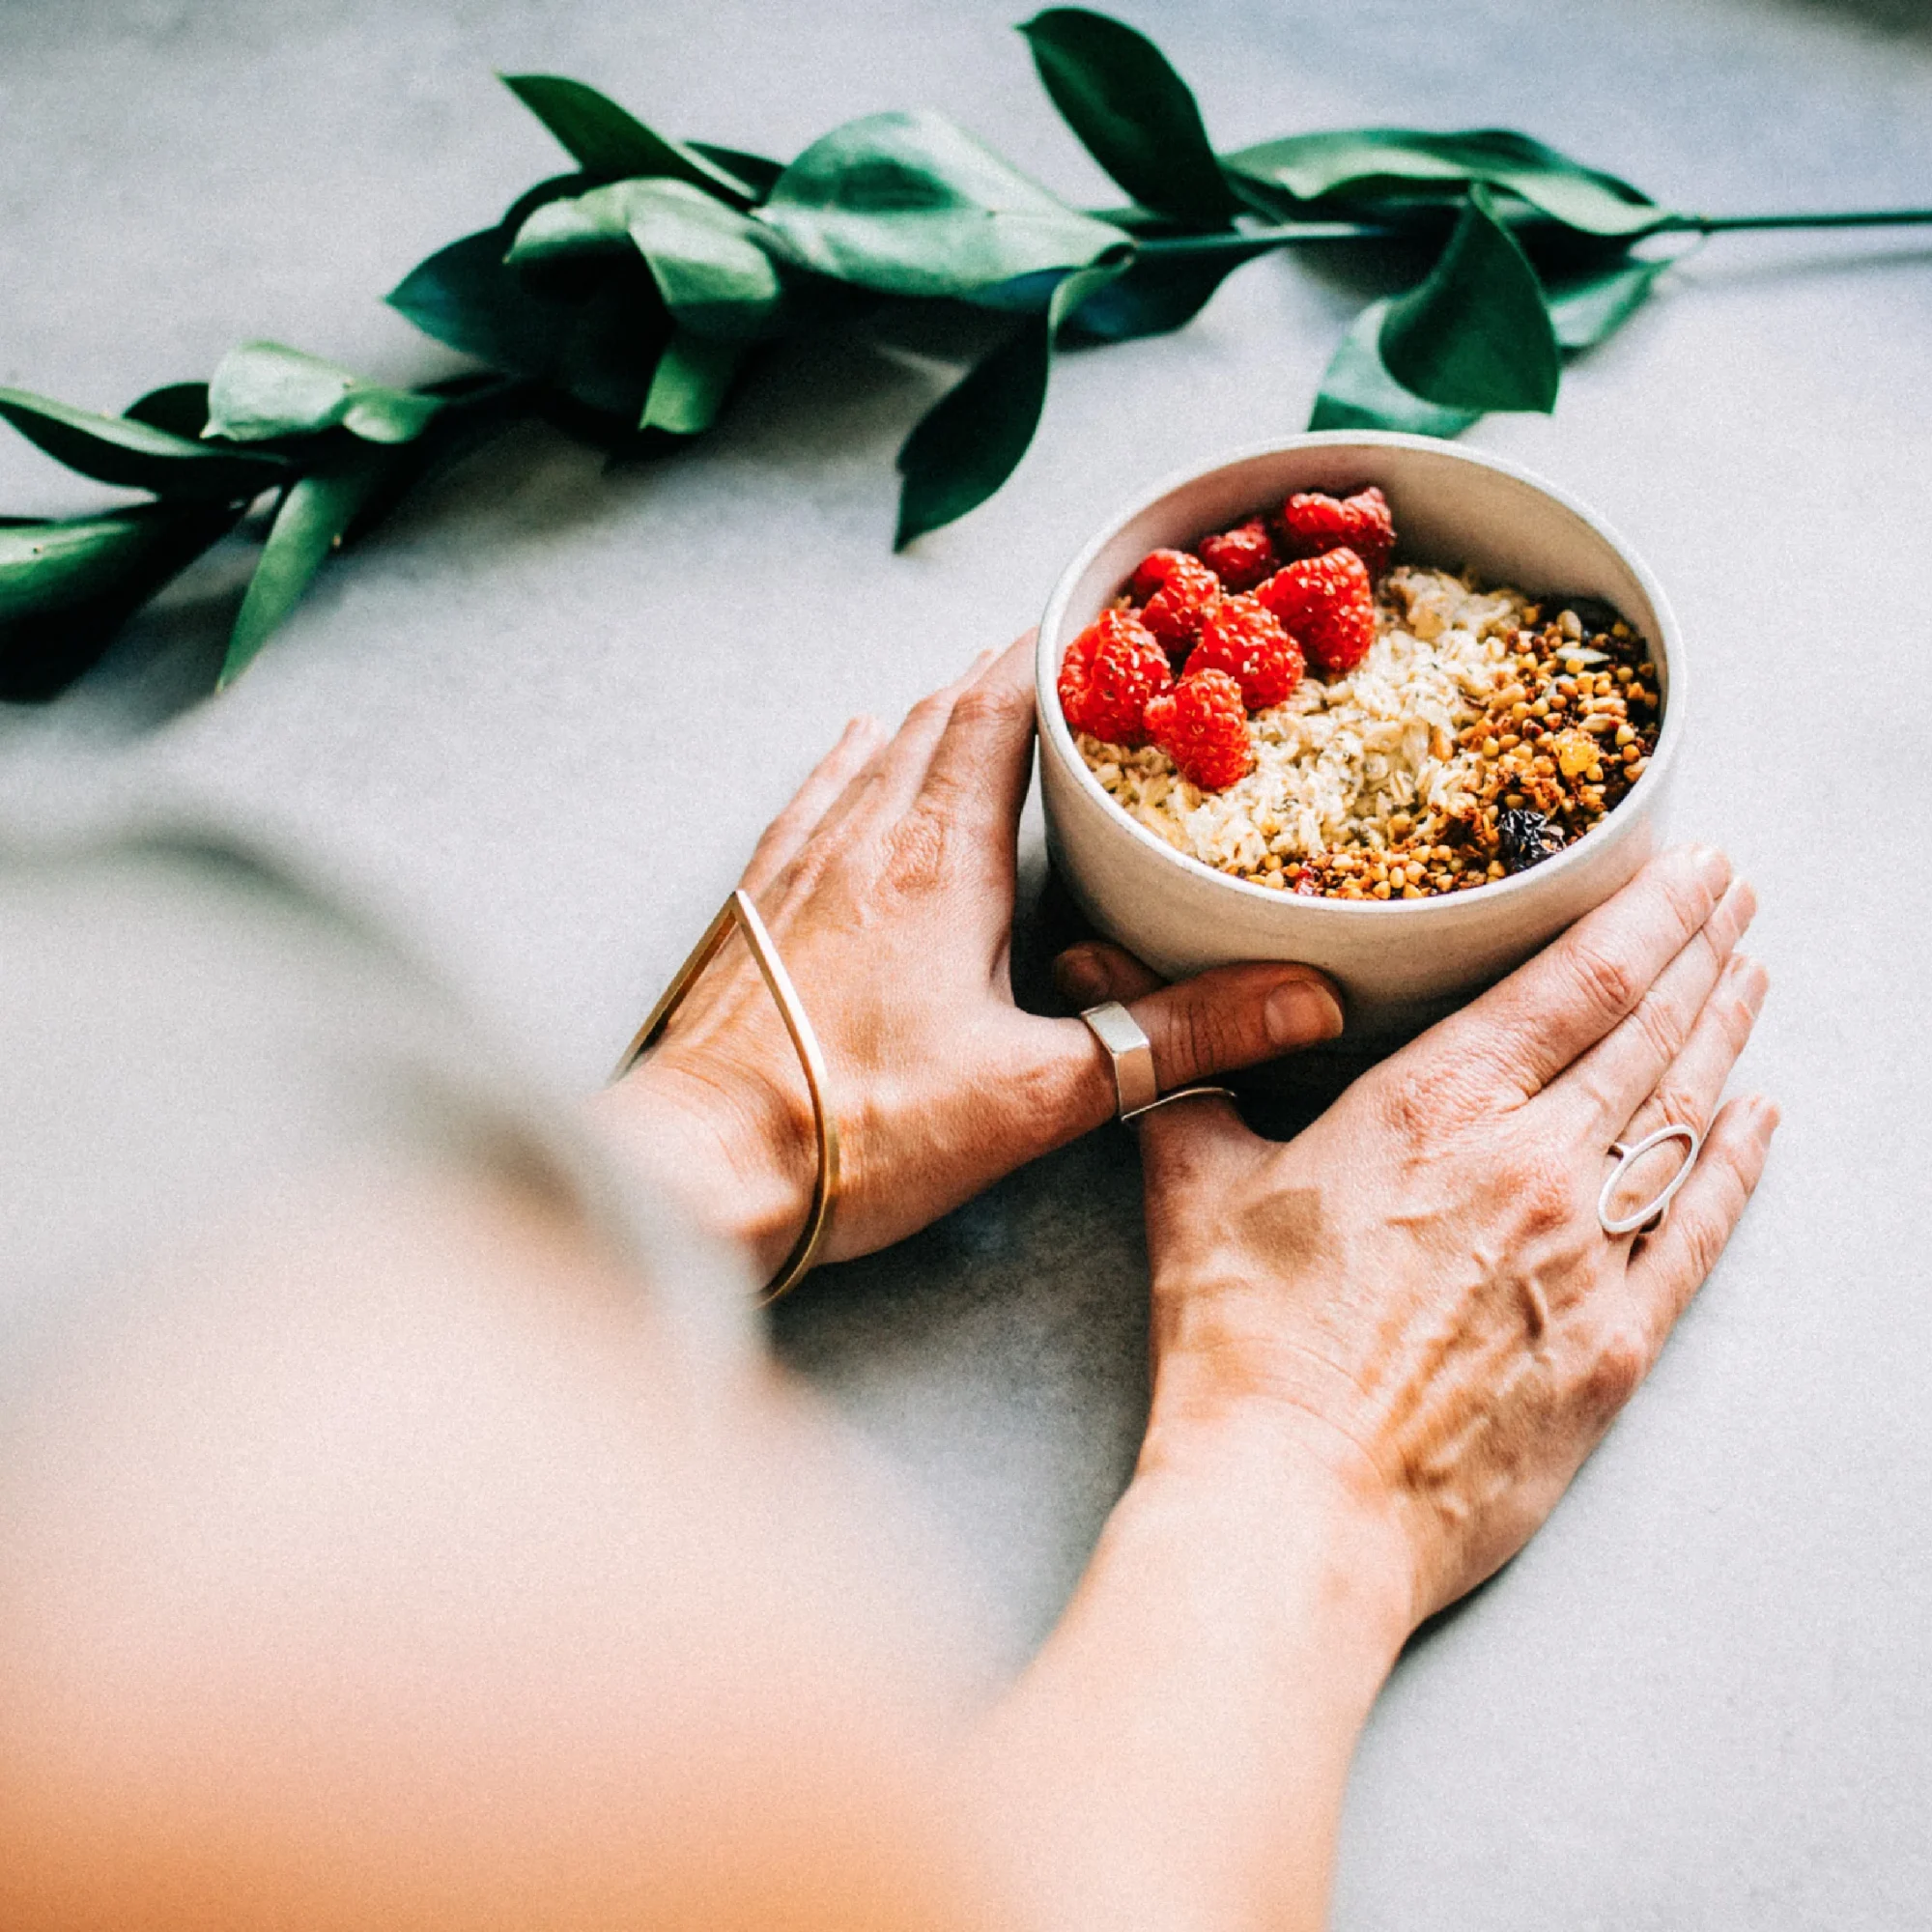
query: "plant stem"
1871, 217
1256, 240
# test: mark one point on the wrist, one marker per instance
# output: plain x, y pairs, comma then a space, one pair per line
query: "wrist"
740, 1154
1241, 1405
1339, 1559
1178, 1751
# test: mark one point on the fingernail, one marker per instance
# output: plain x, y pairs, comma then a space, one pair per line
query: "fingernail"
1299, 1012
1713, 867
1753, 983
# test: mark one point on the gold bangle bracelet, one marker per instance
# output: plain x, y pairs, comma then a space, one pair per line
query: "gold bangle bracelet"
739, 914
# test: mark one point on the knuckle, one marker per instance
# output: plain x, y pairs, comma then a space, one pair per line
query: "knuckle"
1703, 1239
1206, 1038
1544, 1190
1616, 1369
1673, 1101
1739, 1019
1658, 1029
1424, 1097
999, 705
1607, 978
934, 708
915, 855
1692, 898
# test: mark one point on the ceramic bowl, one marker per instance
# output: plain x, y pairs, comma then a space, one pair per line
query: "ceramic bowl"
1402, 963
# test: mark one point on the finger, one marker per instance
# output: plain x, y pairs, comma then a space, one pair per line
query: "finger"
1094, 972
1693, 1083
1547, 1013
785, 836
1671, 1265
1188, 1151
1216, 1022
983, 760
1611, 1081
901, 769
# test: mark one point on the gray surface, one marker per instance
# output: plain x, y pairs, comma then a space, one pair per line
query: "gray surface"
517, 721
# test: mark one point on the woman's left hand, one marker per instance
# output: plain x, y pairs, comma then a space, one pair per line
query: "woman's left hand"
888, 887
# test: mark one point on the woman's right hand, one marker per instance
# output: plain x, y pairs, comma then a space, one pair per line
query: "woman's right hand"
1414, 1299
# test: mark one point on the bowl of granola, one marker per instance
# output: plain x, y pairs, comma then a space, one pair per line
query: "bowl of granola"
1391, 707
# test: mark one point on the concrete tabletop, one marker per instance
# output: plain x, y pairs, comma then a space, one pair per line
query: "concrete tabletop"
516, 720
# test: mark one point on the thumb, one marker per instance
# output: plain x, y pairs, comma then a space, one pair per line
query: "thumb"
1228, 1017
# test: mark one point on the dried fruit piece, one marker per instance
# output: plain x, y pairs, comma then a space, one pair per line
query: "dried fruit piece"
1150, 573
1242, 637
1202, 725
1239, 557
1108, 674
1526, 837
1315, 525
1174, 610
1326, 605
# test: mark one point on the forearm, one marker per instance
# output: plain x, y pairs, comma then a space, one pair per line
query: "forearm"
1177, 1755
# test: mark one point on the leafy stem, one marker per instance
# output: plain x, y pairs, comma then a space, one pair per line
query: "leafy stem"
1289, 233
1721, 224
623, 302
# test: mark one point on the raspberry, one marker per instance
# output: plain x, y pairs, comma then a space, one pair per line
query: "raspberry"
1174, 612
1150, 573
1244, 638
1315, 523
1239, 557
1108, 674
1326, 605
1203, 726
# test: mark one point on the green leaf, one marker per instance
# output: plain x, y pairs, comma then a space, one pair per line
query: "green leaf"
67, 586
47, 566
694, 376
971, 440
135, 455
467, 297
712, 265
486, 407
179, 408
613, 346
262, 390
1156, 293
1357, 392
313, 513
1587, 308
1370, 164
610, 143
1132, 112
759, 173
910, 204
1476, 335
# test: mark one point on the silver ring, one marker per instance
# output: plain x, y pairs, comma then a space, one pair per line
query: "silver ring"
1136, 1089
1652, 1212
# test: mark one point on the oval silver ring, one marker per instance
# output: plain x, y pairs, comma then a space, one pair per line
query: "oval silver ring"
1652, 1211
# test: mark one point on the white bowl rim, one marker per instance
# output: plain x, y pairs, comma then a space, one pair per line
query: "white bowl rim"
1046, 692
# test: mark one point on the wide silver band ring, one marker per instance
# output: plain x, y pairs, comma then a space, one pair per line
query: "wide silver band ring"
1136, 1088
1652, 1212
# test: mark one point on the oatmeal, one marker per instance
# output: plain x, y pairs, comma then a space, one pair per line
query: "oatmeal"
1439, 733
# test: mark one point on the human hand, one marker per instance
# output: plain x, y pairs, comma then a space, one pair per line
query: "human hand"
1414, 1299
888, 887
